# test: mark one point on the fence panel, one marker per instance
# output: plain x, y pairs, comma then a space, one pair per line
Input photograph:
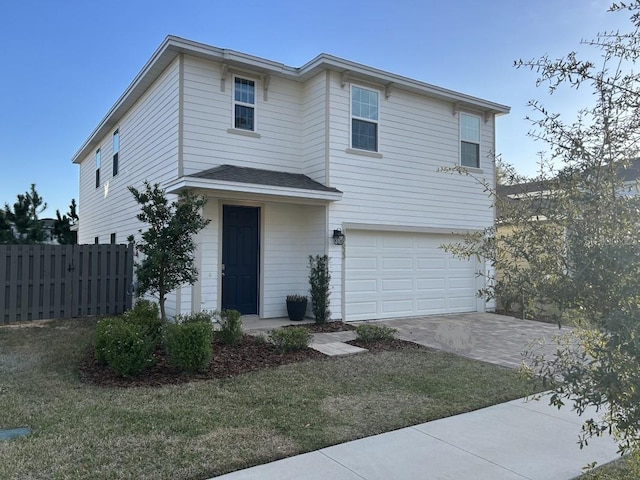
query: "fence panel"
58, 281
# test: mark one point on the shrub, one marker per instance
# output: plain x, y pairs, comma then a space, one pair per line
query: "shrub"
290, 339
230, 327
127, 348
204, 316
189, 345
370, 333
319, 282
296, 298
146, 314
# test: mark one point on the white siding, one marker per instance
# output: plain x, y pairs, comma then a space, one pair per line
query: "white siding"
291, 234
314, 128
209, 255
417, 135
148, 150
207, 119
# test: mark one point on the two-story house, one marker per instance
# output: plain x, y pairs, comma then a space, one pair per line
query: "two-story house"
331, 158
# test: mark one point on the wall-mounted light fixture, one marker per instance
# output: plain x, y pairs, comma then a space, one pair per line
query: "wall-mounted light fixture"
338, 237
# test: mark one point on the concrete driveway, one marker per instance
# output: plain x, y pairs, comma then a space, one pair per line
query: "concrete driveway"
488, 337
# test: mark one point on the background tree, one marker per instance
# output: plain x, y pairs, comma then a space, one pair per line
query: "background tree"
62, 225
6, 229
24, 216
573, 240
167, 244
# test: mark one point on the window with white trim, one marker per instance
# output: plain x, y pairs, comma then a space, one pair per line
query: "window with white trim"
116, 151
469, 140
97, 168
244, 104
364, 118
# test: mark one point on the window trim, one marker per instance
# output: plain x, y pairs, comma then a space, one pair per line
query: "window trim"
254, 105
461, 140
115, 152
98, 164
363, 119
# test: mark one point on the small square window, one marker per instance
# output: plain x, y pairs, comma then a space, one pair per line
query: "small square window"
364, 118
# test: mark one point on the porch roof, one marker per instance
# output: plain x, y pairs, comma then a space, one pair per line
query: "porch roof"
231, 179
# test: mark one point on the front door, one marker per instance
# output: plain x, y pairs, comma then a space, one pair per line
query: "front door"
240, 258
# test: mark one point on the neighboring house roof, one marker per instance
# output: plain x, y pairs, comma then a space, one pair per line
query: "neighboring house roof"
231, 173
173, 46
542, 189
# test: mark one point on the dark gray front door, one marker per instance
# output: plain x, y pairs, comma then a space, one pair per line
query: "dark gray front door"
240, 258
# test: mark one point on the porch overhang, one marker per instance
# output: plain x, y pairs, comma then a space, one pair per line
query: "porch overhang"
229, 181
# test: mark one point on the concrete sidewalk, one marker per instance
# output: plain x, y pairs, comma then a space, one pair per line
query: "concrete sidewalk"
513, 440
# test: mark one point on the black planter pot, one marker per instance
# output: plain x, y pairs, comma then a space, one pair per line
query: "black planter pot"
296, 309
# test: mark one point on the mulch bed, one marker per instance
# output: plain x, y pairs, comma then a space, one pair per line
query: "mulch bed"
228, 360
328, 327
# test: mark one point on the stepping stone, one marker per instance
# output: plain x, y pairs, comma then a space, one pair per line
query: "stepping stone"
8, 434
336, 348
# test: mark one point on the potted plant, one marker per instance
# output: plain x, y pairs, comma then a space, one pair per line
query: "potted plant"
296, 307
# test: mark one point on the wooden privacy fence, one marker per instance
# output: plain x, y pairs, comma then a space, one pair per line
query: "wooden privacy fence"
61, 281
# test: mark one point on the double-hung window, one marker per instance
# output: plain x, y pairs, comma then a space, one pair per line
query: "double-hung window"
116, 150
97, 168
364, 119
469, 140
244, 104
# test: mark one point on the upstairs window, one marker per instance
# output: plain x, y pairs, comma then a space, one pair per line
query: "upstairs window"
469, 140
97, 168
116, 149
364, 119
244, 104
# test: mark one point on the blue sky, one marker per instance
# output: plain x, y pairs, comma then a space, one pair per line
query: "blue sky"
64, 62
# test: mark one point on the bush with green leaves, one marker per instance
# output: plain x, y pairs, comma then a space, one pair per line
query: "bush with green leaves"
319, 285
126, 348
290, 339
189, 345
147, 315
369, 332
230, 332
205, 316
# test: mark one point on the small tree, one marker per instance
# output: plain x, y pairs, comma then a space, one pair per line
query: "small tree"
24, 217
63, 223
319, 282
168, 244
575, 243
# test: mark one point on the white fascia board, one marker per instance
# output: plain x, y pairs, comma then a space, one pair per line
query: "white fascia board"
251, 189
172, 46
325, 61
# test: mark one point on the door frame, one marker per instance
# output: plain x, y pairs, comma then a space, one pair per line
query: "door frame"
242, 203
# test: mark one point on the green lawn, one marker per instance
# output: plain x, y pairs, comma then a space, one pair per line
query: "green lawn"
202, 429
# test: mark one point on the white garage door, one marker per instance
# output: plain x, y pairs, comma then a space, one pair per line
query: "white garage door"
395, 274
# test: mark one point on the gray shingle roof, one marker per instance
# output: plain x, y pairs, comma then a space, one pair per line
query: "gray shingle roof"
231, 173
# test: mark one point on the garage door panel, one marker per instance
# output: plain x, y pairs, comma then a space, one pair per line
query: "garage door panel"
396, 263
364, 263
431, 263
391, 274
363, 308
397, 284
366, 286
397, 307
